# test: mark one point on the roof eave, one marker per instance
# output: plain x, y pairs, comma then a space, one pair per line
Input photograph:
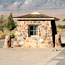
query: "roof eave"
25, 19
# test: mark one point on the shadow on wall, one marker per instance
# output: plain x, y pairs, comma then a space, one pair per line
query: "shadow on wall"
54, 30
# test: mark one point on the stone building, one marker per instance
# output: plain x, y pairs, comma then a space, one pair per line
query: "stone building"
35, 30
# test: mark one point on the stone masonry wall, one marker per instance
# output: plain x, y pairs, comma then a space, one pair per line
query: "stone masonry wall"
44, 38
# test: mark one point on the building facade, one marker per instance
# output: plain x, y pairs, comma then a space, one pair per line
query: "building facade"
35, 31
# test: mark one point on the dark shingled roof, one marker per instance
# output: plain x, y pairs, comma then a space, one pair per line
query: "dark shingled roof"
33, 16
36, 16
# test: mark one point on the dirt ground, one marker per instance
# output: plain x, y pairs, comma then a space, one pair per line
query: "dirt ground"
20, 56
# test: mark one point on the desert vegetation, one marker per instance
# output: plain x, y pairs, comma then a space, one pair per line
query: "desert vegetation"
10, 23
61, 26
61, 29
7, 26
63, 20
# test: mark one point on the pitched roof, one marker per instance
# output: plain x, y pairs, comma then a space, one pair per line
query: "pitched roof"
35, 15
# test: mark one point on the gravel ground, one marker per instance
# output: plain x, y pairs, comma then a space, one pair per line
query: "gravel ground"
20, 56
58, 60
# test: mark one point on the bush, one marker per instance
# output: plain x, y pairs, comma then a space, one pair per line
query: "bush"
63, 19
1, 28
12, 35
62, 26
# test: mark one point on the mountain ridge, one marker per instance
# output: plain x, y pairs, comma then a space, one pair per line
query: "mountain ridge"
15, 5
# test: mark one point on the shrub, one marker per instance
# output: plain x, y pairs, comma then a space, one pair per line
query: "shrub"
11, 24
63, 19
62, 26
12, 35
1, 28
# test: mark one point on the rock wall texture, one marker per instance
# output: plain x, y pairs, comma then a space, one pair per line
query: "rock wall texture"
44, 38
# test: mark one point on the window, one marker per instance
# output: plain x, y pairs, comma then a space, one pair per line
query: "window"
33, 31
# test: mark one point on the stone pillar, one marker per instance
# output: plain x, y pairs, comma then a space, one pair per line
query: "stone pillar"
57, 41
15, 44
7, 43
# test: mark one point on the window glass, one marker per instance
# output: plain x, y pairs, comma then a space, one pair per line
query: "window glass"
33, 30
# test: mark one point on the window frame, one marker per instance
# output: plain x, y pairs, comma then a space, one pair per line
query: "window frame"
34, 34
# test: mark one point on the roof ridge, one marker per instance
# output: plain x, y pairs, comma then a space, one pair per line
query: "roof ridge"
35, 13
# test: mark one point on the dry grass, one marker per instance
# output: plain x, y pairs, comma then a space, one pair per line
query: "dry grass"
2, 35
6, 32
60, 31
